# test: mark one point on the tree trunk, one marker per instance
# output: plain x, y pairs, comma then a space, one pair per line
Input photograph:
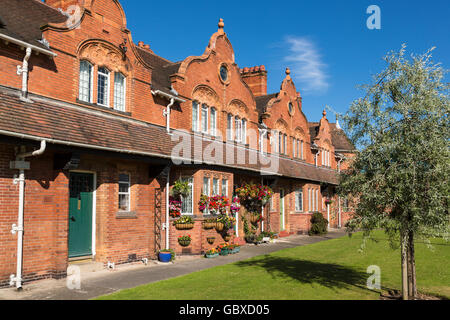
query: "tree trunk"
412, 284
404, 256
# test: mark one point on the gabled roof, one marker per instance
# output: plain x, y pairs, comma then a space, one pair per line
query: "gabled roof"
68, 124
339, 139
162, 69
23, 19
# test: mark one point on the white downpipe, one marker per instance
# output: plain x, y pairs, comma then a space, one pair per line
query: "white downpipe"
340, 213
19, 228
328, 214
262, 210
167, 224
23, 70
167, 114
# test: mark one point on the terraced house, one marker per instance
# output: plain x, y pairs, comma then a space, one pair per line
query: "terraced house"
95, 129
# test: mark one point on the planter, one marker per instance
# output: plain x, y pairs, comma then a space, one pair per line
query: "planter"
224, 252
219, 226
211, 256
211, 240
184, 226
165, 257
184, 243
208, 225
236, 250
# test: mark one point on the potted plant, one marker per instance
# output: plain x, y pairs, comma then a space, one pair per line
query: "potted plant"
225, 222
235, 205
184, 241
211, 240
166, 255
223, 249
213, 253
184, 223
181, 188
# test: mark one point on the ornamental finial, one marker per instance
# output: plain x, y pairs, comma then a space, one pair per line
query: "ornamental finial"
221, 25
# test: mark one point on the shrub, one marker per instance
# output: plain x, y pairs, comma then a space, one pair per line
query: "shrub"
319, 225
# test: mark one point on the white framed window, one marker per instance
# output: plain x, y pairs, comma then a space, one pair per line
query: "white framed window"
299, 200
124, 192
294, 147
86, 81
280, 143
244, 132
225, 187
206, 186
237, 129
187, 203
310, 203
216, 190
205, 111
103, 87
317, 201
195, 116
230, 127
119, 91
301, 151
213, 122
285, 144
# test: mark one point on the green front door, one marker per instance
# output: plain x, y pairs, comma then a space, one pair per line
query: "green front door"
282, 225
80, 214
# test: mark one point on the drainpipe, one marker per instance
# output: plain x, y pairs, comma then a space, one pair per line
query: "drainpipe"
167, 224
167, 114
23, 70
19, 229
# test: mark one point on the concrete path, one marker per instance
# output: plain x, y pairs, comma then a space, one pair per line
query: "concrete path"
101, 282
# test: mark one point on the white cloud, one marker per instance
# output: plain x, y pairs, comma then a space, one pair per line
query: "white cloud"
306, 65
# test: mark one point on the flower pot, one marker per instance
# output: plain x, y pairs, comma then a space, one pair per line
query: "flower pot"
184, 243
224, 252
211, 240
211, 256
165, 257
226, 237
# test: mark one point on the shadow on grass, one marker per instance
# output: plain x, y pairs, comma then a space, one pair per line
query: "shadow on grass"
332, 276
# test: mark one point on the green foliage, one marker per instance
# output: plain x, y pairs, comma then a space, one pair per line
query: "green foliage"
319, 225
399, 178
180, 188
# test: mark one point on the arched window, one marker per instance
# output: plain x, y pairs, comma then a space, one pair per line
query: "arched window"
103, 87
86, 80
119, 91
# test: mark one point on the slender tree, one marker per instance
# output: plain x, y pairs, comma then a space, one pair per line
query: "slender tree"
399, 179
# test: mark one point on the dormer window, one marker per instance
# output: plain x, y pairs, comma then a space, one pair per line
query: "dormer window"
103, 87
86, 80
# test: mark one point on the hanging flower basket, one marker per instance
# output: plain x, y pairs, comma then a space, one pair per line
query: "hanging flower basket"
211, 240
184, 223
226, 237
219, 226
209, 224
254, 218
184, 241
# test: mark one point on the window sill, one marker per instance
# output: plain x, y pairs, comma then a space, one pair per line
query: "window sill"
126, 215
103, 107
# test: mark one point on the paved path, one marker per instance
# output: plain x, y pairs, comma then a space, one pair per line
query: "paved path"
94, 284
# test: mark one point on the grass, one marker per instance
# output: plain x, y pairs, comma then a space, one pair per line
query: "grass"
334, 270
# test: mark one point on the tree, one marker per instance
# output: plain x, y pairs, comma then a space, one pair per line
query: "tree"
399, 179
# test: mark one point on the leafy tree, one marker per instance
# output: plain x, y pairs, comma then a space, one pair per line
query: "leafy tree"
399, 180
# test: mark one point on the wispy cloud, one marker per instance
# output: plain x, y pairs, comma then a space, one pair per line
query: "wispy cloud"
306, 64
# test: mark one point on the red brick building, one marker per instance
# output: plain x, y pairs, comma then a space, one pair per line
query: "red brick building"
91, 132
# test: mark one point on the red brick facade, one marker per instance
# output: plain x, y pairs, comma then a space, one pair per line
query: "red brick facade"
98, 37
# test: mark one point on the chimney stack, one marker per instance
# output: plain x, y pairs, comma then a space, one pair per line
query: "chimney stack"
256, 79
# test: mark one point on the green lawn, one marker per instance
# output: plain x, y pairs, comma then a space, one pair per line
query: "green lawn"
333, 269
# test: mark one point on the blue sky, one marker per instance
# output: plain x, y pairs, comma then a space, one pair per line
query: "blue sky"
326, 44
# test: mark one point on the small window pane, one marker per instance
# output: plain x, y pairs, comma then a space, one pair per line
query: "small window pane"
103, 87
119, 92
195, 116
85, 81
